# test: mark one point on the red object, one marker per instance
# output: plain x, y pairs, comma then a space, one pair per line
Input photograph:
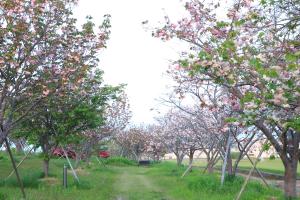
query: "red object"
59, 152
103, 154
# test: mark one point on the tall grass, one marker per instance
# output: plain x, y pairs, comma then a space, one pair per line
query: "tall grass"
119, 161
3, 196
197, 185
29, 180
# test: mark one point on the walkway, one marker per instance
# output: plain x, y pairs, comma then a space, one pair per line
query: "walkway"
133, 184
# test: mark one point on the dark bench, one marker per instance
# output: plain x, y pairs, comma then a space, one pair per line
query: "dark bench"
144, 162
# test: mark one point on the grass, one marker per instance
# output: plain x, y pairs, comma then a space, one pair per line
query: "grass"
122, 179
266, 165
120, 161
204, 186
272, 166
95, 182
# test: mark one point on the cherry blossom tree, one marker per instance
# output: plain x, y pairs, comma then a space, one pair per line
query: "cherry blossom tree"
42, 52
208, 110
134, 142
156, 148
253, 52
116, 117
59, 120
176, 134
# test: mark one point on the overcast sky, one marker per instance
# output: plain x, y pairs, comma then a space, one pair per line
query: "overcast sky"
133, 56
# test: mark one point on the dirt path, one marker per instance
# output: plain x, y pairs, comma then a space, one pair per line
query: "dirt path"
133, 184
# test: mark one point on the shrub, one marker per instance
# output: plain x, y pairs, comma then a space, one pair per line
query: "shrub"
2, 157
272, 157
120, 161
3, 196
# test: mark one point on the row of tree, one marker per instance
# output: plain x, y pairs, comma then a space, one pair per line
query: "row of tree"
51, 89
243, 69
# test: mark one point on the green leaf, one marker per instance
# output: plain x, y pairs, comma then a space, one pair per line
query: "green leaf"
184, 63
266, 147
292, 66
256, 63
240, 22
261, 34
269, 95
294, 124
263, 2
230, 81
229, 44
203, 55
248, 97
290, 83
271, 73
291, 57
222, 24
231, 119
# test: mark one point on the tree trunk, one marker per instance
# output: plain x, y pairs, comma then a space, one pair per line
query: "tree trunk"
88, 161
209, 165
191, 157
290, 178
77, 161
179, 159
236, 163
19, 148
46, 152
234, 170
229, 164
210, 168
3, 135
2, 138
227, 157
289, 154
46, 168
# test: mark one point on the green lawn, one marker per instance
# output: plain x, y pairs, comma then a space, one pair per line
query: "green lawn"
266, 165
272, 166
124, 182
96, 182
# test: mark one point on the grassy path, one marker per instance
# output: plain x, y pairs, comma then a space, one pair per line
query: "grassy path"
124, 182
133, 184
162, 182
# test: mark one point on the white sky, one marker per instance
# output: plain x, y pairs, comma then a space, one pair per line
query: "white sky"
133, 56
